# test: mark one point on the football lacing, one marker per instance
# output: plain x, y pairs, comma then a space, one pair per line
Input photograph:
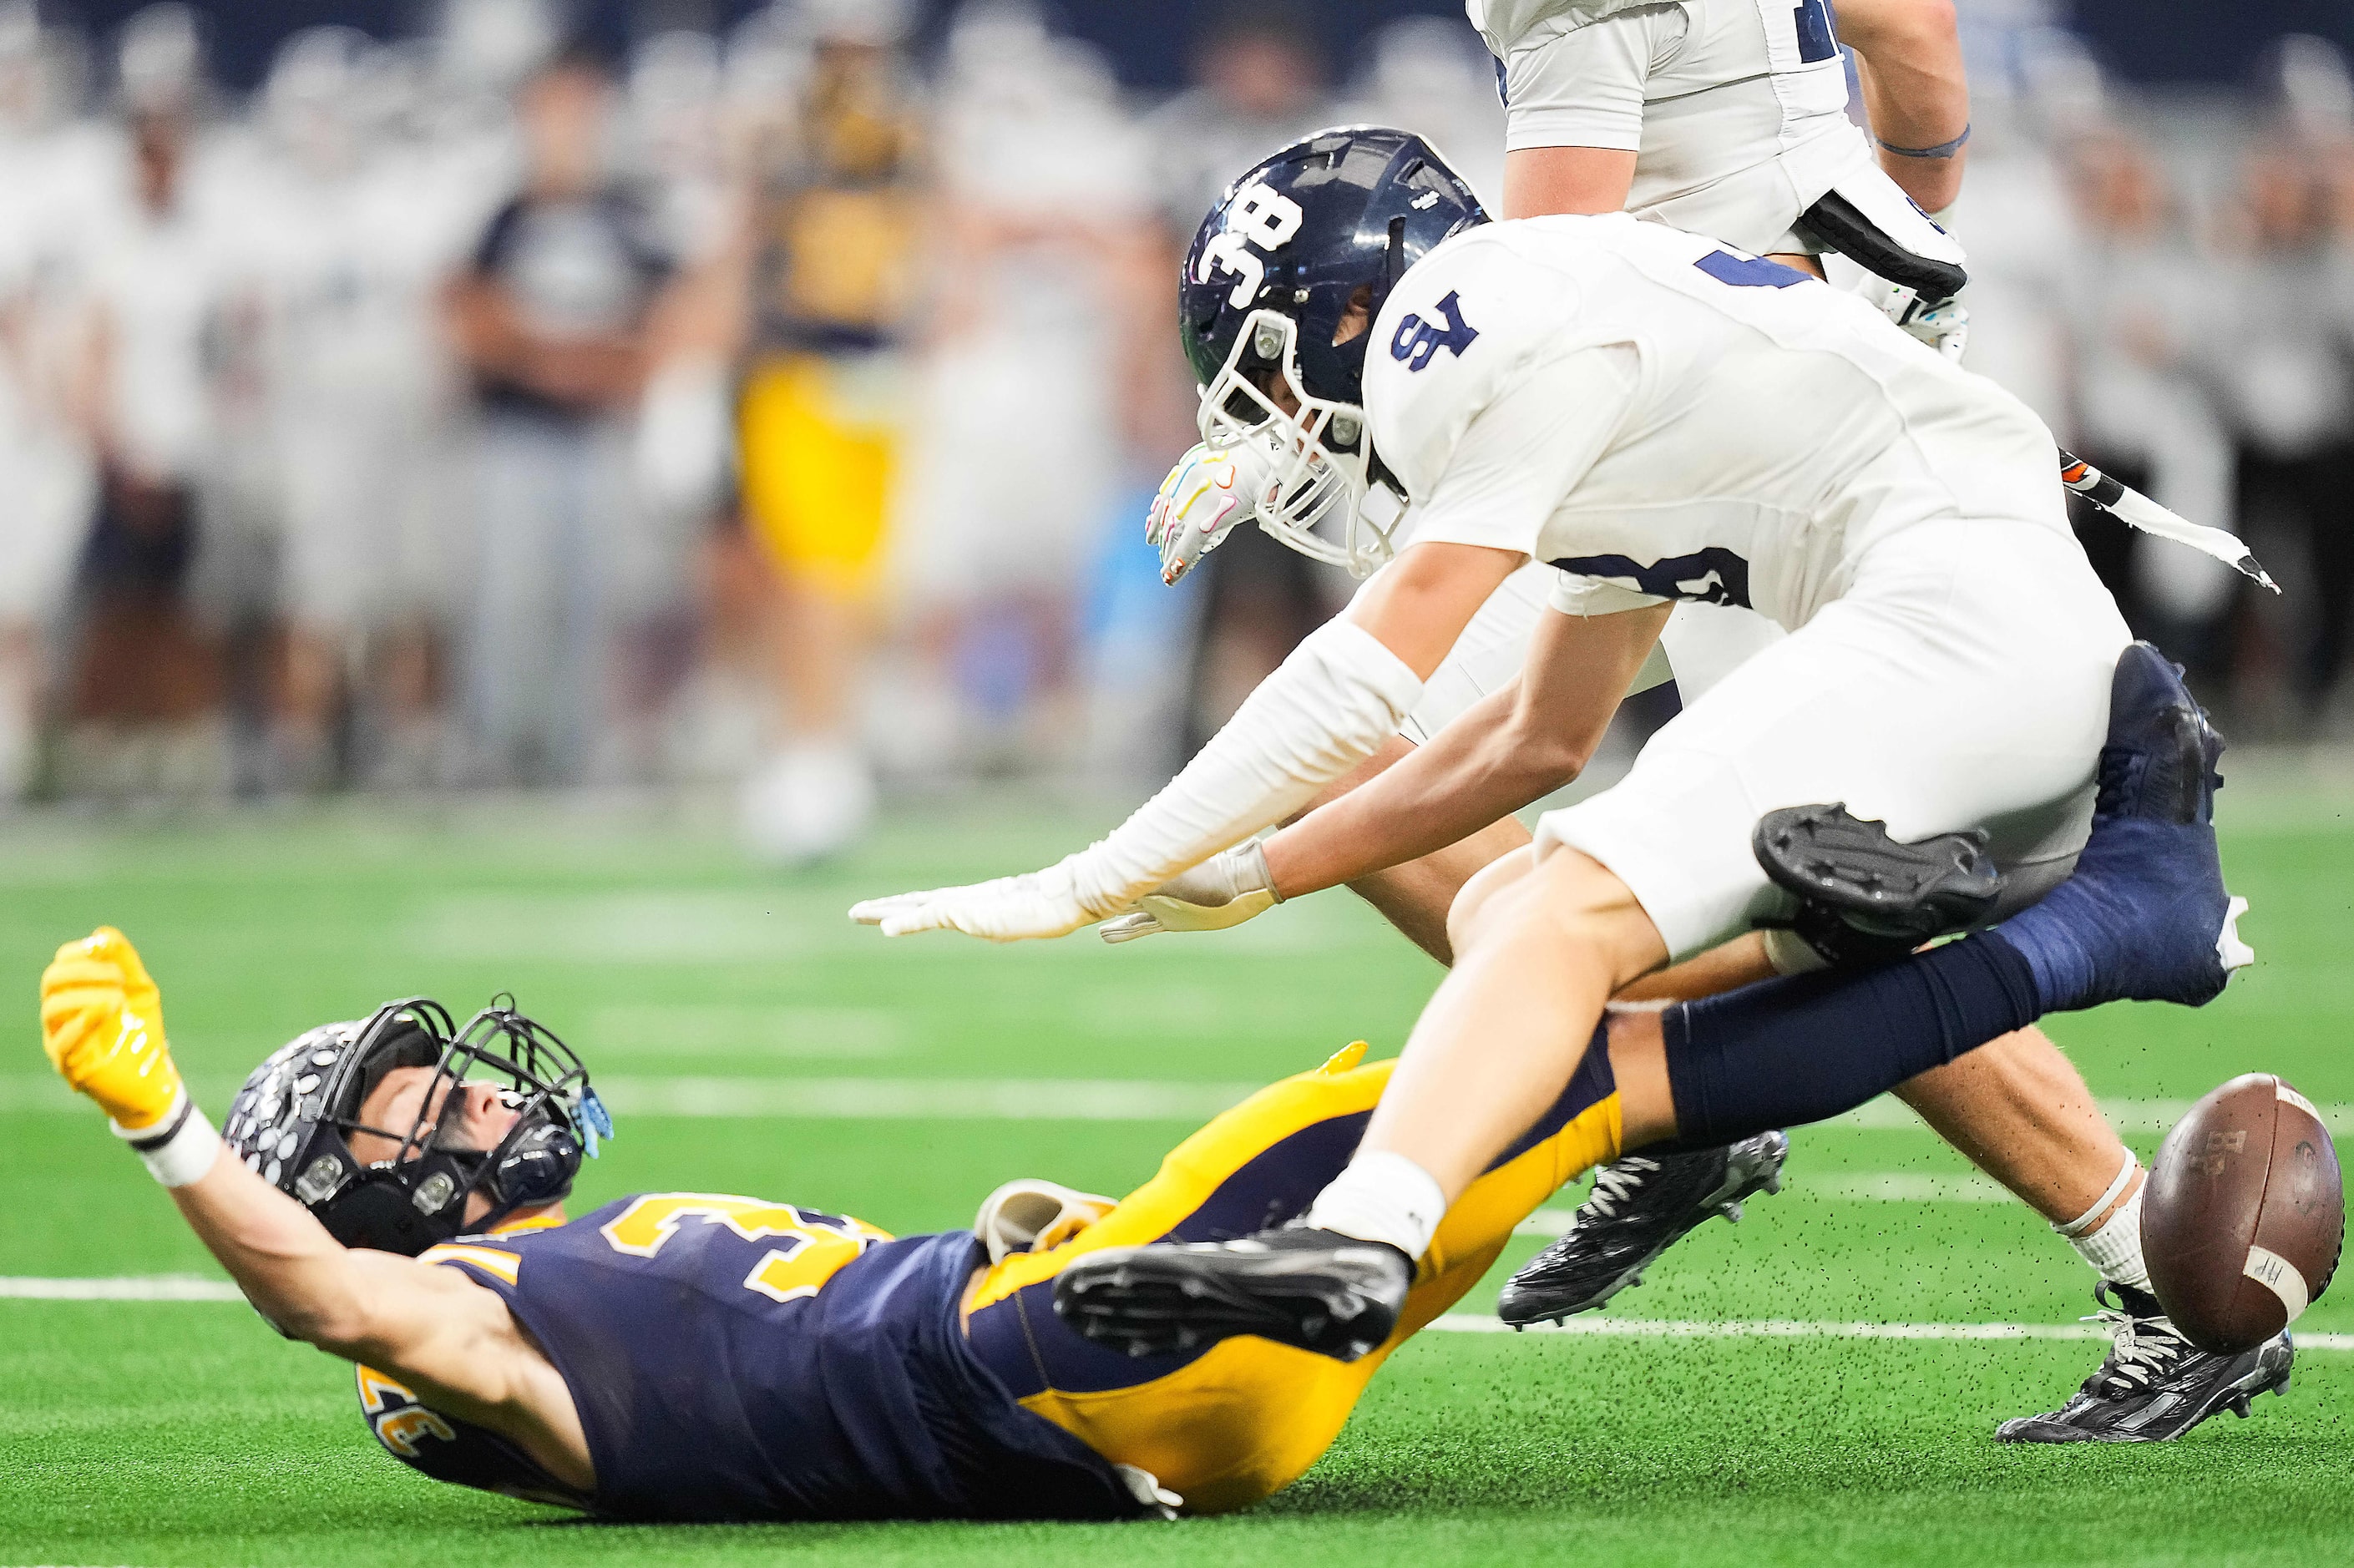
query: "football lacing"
1613, 1184
2145, 1349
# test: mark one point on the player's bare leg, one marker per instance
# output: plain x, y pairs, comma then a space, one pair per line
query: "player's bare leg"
1415, 897
2145, 915
816, 793
1539, 951
2019, 1110
2016, 1109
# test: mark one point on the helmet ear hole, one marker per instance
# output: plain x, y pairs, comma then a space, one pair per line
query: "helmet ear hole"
1356, 316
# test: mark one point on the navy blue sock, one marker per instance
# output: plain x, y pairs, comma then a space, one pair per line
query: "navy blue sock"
1789, 1052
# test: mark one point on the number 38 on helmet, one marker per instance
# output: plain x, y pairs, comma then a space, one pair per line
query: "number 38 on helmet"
1275, 306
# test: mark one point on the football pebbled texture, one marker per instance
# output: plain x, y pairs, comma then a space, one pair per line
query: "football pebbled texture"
2243, 1215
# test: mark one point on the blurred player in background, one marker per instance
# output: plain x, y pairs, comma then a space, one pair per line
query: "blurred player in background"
2143, 409
1045, 255
1258, 72
831, 261
555, 318
354, 242
2282, 357
50, 169
144, 689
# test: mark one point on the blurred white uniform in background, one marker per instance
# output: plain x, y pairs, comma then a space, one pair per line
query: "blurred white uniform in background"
50, 170
1044, 179
354, 358
1043, 186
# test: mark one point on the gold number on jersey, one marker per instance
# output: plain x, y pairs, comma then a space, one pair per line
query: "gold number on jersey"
814, 1245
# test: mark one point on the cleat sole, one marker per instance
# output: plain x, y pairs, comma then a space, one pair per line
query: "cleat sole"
1836, 861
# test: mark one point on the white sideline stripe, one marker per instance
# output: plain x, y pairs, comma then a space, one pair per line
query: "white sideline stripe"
121, 1288
187, 1287
1793, 1328
815, 1100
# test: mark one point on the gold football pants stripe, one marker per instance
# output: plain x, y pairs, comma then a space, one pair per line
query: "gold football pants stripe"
1249, 1417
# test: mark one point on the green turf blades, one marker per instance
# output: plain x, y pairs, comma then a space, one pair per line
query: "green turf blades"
1468, 1450
238, 1447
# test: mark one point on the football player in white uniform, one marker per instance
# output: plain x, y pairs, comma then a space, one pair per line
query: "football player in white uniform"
1727, 117
1663, 419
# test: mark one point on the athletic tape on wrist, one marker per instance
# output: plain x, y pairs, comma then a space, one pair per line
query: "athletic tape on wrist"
2084, 1222
179, 1149
1255, 852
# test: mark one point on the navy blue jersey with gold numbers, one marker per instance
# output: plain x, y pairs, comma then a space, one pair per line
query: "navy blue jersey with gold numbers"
737, 1359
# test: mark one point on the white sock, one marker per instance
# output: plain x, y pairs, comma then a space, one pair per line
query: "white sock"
2115, 1250
1382, 1197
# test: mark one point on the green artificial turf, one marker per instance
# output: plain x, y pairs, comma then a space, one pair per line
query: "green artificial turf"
188, 1432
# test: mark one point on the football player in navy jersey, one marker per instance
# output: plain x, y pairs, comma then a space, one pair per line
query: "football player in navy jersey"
393, 1193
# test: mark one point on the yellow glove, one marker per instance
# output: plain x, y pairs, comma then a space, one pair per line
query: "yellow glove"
102, 1026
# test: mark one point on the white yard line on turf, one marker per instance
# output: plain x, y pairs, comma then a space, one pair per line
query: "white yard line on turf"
187, 1287
121, 1288
1793, 1328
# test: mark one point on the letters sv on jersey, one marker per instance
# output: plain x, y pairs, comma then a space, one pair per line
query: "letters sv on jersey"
1417, 341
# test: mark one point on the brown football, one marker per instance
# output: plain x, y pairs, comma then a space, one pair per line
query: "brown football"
2244, 1215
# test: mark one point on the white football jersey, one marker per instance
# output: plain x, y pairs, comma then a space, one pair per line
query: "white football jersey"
1662, 417
1736, 109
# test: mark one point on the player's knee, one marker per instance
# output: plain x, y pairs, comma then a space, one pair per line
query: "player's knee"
1486, 899
1584, 901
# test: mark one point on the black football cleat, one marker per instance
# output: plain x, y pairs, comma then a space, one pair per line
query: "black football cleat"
2154, 1385
1317, 1290
1641, 1205
1864, 898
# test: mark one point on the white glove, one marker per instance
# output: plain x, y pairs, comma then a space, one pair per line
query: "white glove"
1032, 1215
1009, 910
1210, 491
1326, 708
1944, 327
1225, 890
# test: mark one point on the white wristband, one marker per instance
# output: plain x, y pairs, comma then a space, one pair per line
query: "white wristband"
179, 1149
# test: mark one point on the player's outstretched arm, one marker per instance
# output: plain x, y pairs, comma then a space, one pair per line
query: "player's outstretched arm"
1326, 709
1516, 745
1909, 64
103, 1028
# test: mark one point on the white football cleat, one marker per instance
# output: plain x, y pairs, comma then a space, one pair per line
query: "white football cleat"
806, 802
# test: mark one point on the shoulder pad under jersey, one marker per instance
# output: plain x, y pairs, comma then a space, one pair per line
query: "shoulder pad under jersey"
1508, 24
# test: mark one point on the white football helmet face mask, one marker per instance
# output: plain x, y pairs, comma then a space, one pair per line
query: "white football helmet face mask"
1314, 499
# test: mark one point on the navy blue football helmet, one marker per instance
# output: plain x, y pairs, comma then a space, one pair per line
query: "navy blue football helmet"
1284, 280
291, 1120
